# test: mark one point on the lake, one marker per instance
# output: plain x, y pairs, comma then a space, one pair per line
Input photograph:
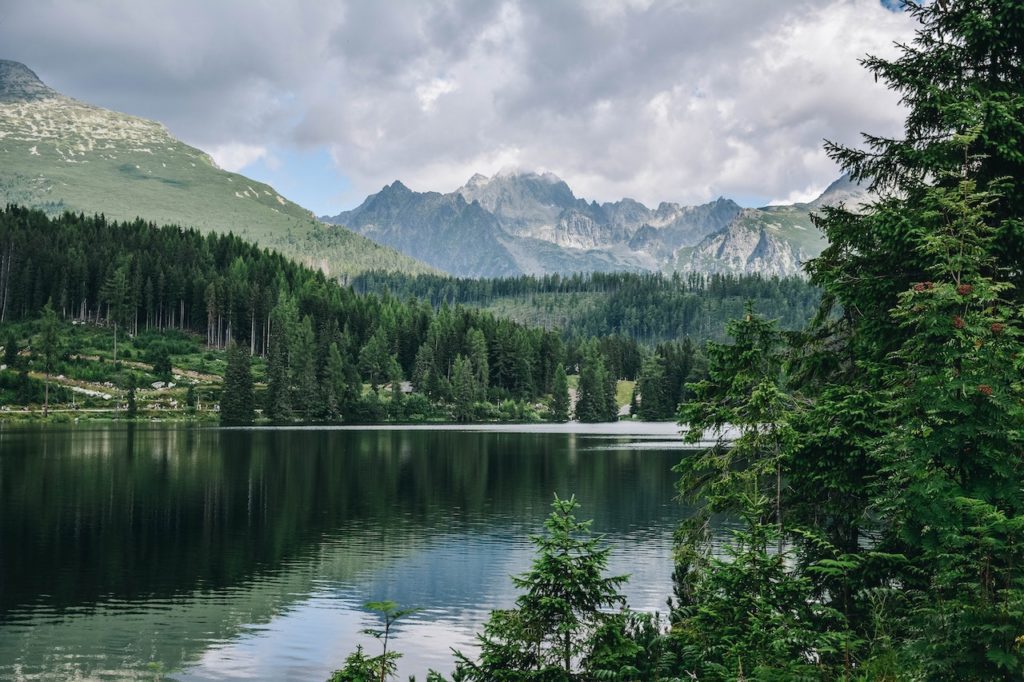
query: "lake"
194, 554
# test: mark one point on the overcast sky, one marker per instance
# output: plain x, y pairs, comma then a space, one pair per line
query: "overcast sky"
330, 100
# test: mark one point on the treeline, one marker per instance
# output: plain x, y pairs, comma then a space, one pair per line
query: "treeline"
322, 341
650, 307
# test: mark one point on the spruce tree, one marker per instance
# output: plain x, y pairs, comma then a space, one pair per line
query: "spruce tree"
464, 390
566, 606
560, 396
11, 350
476, 345
592, 392
237, 401
49, 347
283, 320
133, 405
652, 385
302, 356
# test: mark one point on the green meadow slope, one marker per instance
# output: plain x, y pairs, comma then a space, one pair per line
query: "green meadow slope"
58, 154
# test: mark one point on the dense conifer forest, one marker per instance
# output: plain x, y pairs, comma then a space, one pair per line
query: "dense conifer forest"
648, 307
325, 351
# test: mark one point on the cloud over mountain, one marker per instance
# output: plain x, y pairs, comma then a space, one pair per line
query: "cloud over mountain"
639, 98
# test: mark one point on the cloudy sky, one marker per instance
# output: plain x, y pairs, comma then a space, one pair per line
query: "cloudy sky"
679, 100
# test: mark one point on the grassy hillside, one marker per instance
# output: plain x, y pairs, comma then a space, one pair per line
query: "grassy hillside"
60, 154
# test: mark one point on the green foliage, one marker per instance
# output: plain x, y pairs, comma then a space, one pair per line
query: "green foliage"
464, 389
11, 350
560, 626
891, 425
560, 396
362, 668
237, 400
159, 357
49, 346
132, 408
649, 307
595, 397
750, 615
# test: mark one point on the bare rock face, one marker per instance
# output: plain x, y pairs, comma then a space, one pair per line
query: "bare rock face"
18, 83
522, 222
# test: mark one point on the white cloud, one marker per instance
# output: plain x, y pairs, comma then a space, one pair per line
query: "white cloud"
234, 156
653, 99
430, 91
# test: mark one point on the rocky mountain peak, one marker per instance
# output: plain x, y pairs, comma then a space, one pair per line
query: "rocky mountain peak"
20, 83
478, 180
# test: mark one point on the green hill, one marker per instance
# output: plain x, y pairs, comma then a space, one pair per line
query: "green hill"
58, 154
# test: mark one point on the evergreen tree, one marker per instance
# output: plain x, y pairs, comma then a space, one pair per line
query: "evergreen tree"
302, 356
11, 350
237, 401
464, 389
476, 345
592, 392
283, 320
133, 406
49, 347
652, 385
375, 358
116, 293
562, 613
560, 396
333, 387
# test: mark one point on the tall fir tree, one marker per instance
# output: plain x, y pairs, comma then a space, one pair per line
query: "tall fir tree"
237, 400
49, 348
560, 395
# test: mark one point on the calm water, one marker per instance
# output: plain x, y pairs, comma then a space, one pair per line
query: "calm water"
215, 554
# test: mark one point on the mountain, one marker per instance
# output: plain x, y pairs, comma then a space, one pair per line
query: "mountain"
58, 154
429, 224
532, 223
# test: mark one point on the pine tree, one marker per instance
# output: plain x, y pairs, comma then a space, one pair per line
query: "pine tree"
375, 358
11, 350
464, 390
592, 392
283, 320
563, 610
560, 396
652, 385
476, 345
302, 356
133, 406
237, 401
116, 293
49, 347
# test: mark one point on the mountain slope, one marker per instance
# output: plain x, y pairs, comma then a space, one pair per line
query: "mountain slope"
530, 223
58, 154
441, 229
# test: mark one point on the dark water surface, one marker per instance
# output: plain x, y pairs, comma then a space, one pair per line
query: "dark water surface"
182, 553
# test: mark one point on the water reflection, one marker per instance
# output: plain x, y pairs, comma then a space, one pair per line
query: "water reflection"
205, 554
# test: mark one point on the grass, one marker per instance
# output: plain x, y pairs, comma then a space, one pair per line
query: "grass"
60, 154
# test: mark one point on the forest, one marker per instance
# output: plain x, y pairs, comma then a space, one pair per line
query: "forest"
875, 466
648, 307
322, 351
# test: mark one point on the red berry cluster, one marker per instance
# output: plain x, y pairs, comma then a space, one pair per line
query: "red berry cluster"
964, 289
997, 327
958, 322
